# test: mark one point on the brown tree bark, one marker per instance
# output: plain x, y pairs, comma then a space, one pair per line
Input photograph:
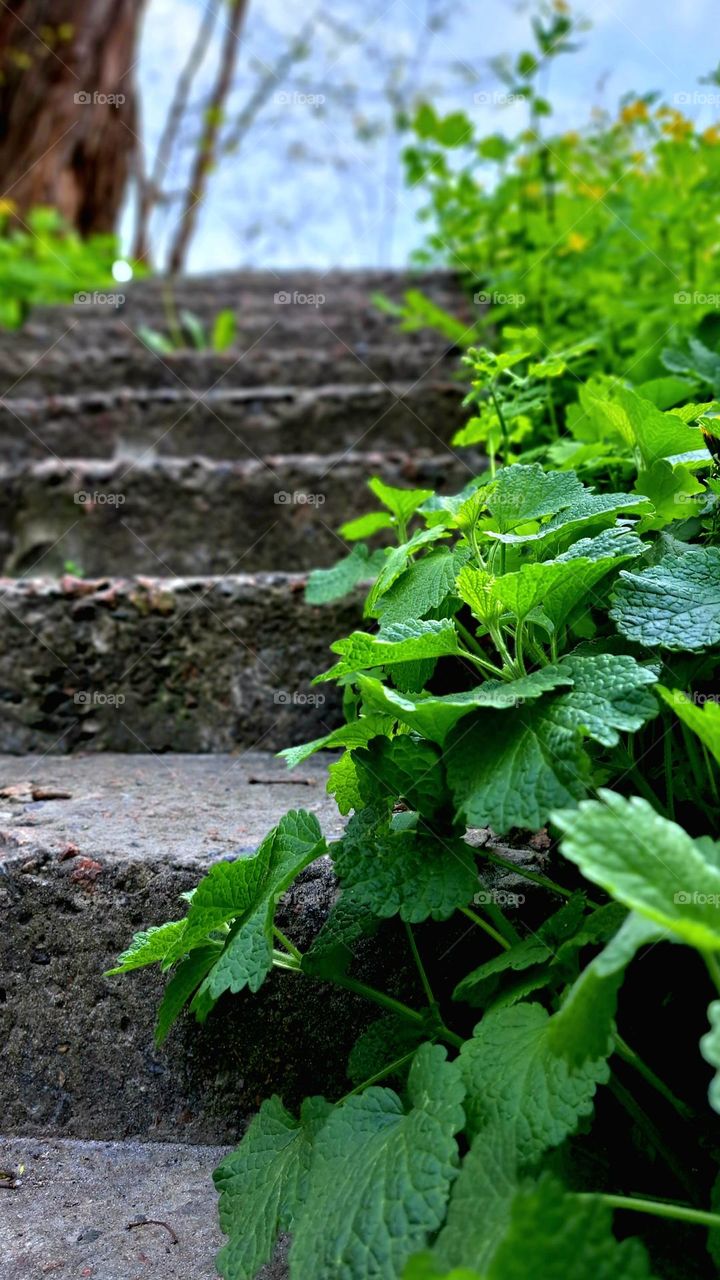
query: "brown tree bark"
68, 111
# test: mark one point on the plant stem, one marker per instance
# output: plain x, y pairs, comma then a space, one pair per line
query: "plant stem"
657, 1208
624, 1051
489, 929
483, 664
282, 961
535, 877
421, 968
668, 767
396, 1006
389, 1070
288, 945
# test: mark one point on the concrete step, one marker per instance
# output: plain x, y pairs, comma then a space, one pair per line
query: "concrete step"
80, 328
241, 423
25, 371
185, 516
255, 294
94, 848
79, 876
165, 664
111, 1210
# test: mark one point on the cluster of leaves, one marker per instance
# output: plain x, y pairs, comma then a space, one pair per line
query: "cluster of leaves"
529, 766
529, 641
581, 232
43, 261
186, 331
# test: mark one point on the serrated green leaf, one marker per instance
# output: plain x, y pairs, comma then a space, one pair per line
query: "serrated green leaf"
152, 946
421, 588
184, 982
586, 511
405, 872
326, 585
262, 1185
395, 563
434, 716
365, 526
332, 950
480, 1203
380, 1177
399, 642
556, 1235
402, 503
384, 1042
343, 783
521, 1074
522, 494
646, 862
673, 490
402, 769
505, 769
674, 604
356, 733
558, 586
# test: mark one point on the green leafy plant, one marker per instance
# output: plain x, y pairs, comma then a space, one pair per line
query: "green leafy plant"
186, 330
43, 261
525, 643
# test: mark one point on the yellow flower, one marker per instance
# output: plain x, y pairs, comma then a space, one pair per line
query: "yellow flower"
7, 206
634, 112
572, 138
561, 6
712, 135
576, 242
677, 127
533, 190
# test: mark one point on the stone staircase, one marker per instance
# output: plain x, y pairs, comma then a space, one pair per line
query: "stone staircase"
141, 703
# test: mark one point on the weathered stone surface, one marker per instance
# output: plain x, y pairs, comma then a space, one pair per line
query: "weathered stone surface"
79, 876
191, 516
95, 1209
61, 371
241, 423
165, 664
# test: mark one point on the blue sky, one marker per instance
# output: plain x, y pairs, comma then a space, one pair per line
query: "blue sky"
309, 187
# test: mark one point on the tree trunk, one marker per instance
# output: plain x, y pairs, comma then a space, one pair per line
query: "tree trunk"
68, 107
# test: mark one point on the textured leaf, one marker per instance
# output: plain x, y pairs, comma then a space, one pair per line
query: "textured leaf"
557, 1236
646, 862
675, 604
558, 586
402, 769
354, 734
396, 561
385, 1041
651, 434
434, 716
262, 1184
380, 1177
331, 951
614, 543
404, 872
246, 893
587, 510
522, 1073
673, 490
399, 642
184, 982
326, 585
403, 503
343, 783
150, 947
421, 588
521, 494
702, 718
480, 1202
504, 770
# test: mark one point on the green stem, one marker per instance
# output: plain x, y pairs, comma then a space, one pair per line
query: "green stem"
288, 945
624, 1051
282, 961
421, 968
389, 1070
499, 642
488, 928
503, 424
395, 1006
710, 772
657, 1208
483, 664
668, 767
535, 877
